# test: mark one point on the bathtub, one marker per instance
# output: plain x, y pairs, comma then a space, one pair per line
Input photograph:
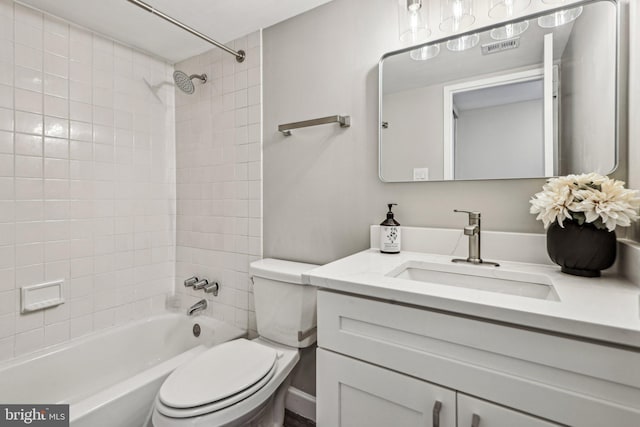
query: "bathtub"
110, 378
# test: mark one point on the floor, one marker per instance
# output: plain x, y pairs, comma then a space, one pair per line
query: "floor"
294, 420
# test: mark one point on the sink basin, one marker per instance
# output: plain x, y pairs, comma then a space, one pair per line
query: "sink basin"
483, 278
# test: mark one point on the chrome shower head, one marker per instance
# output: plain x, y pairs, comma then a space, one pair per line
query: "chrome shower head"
184, 82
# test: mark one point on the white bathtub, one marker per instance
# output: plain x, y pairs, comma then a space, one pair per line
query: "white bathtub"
111, 378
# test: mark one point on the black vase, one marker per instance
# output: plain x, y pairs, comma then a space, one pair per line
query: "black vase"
581, 250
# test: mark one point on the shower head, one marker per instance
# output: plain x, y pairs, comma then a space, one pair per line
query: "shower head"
184, 82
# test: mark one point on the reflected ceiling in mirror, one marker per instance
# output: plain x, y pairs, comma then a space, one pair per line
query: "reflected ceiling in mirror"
538, 104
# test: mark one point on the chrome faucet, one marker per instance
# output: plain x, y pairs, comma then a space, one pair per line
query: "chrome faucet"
199, 306
473, 231
190, 281
200, 284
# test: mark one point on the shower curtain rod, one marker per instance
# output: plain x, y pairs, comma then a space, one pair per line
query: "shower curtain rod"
240, 55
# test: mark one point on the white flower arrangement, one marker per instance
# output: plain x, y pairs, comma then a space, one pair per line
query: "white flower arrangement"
587, 198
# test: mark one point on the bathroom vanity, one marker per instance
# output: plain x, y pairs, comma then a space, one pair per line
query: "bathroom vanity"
416, 340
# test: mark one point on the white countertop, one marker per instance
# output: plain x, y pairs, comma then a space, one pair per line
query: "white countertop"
605, 308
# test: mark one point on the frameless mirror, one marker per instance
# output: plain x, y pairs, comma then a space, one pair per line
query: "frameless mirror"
491, 105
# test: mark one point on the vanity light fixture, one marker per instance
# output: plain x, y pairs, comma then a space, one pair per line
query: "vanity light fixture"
426, 52
509, 31
413, 21
507, 8
562, 17
456, 15
463, 43
501, 9
559, 18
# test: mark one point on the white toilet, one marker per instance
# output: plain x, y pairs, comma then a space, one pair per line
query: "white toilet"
242, 382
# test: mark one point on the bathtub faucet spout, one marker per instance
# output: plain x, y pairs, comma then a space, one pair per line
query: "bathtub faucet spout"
199, 306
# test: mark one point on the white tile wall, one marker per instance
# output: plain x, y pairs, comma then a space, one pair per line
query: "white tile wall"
87, 179
219, 179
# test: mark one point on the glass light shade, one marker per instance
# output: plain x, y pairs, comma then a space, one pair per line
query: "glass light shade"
413, 21
509, 31
463, 43
456, 15
425, 53
507, 8
559, 18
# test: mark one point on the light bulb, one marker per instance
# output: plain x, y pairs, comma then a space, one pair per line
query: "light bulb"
456, 15
413, 22
508, 4
499, 9
413, 5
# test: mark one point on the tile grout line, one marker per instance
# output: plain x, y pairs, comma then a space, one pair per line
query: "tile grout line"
15, 281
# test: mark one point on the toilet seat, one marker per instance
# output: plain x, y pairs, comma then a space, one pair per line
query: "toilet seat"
216, 379
237, 413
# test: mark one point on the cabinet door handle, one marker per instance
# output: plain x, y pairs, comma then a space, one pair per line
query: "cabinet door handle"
436, 413
475, 420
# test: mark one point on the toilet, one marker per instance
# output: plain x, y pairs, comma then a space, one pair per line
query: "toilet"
244, 382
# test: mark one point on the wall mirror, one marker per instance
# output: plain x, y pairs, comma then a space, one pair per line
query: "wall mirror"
491, 105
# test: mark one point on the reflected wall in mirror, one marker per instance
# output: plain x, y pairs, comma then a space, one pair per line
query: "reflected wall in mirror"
539, 104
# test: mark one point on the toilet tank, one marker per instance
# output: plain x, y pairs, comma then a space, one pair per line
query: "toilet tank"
285, 306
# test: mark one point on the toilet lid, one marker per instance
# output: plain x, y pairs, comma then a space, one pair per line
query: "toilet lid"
219, 373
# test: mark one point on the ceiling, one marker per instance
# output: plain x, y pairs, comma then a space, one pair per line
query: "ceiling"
222, 20
503, 94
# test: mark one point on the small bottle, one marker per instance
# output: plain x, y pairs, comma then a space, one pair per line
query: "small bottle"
390, 234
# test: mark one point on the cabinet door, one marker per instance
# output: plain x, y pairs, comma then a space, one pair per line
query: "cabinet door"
474, 412
351, 393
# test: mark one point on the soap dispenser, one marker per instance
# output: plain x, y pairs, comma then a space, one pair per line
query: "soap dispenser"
390, 233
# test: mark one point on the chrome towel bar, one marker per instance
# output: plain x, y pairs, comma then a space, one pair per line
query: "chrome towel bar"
345, 122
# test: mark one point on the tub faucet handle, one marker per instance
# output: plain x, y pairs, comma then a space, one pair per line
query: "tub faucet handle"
212, 288
190, 281
200, 284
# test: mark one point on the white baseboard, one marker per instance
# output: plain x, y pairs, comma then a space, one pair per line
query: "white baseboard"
301, 403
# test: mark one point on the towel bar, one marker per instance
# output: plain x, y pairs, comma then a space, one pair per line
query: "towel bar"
345, 122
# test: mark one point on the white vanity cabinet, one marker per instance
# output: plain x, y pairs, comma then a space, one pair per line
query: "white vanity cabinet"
387, 364
356, 393
474, 412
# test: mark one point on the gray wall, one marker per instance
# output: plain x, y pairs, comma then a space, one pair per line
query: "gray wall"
321, 186
415, 134
413, 137
634, 108
585, 145
510, 134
